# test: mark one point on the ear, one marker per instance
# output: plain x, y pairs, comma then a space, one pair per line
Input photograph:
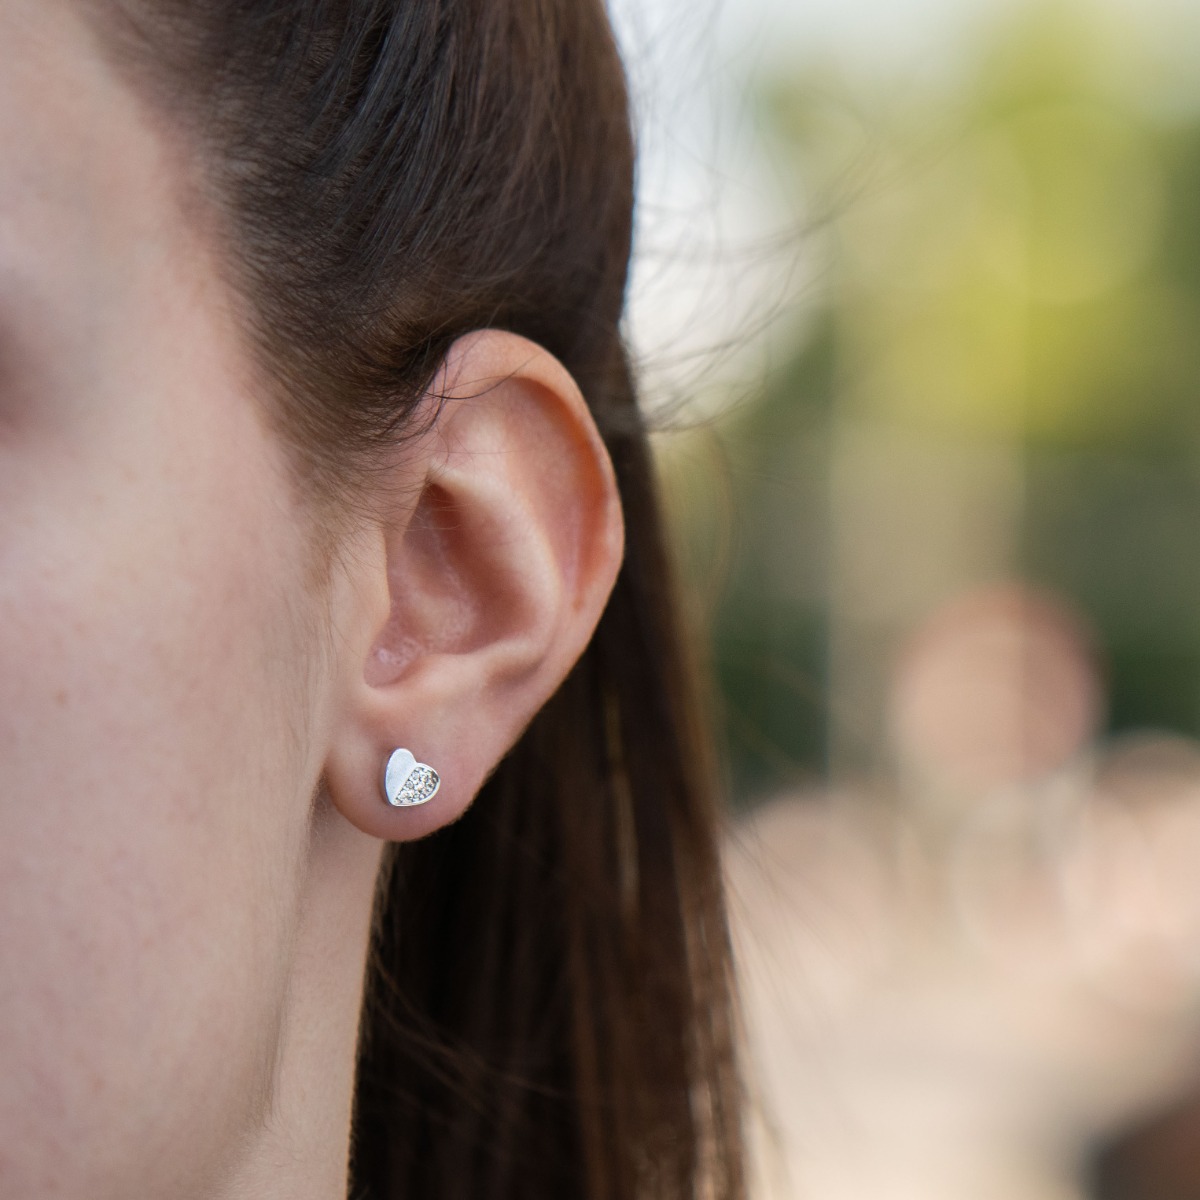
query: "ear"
480, 590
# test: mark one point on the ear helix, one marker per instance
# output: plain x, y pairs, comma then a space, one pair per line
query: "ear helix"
407, 782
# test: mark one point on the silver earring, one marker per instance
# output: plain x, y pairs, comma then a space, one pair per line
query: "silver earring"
407, 782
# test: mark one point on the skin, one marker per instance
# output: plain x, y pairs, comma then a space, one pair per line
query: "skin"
192, 732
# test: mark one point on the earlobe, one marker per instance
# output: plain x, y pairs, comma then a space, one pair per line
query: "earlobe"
496, 574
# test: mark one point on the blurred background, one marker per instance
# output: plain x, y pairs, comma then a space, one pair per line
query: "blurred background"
917, 304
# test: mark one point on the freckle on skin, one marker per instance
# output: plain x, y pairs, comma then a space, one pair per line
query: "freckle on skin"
60, 697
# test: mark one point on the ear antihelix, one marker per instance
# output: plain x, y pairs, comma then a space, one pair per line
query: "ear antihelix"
406, 782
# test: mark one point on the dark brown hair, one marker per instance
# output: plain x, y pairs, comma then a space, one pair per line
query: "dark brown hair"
548, 1006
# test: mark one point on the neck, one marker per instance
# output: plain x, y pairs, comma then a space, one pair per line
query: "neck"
300, 1148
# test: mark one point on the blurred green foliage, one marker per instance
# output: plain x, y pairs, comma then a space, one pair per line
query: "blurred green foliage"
1011, 259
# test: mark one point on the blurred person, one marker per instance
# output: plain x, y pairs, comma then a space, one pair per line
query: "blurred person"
958, 985
327, 510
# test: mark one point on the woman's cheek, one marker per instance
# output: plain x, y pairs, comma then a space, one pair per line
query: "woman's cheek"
147, 715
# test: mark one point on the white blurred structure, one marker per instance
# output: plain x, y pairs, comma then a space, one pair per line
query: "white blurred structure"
957, 999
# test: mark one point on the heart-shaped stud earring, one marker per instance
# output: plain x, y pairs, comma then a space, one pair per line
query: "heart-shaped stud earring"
407, 782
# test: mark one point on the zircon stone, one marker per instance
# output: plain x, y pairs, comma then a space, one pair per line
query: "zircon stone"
421, 783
